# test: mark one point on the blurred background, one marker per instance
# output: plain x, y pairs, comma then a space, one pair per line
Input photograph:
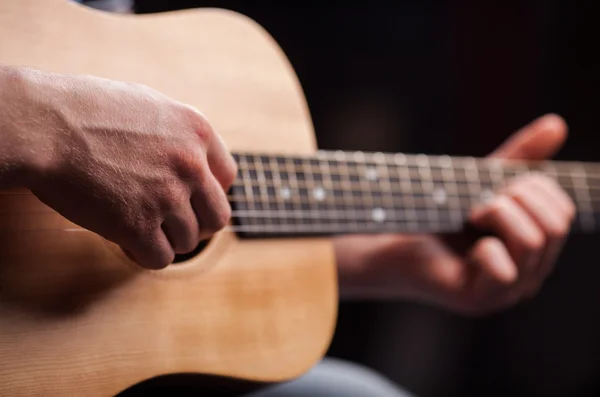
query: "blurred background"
452, 77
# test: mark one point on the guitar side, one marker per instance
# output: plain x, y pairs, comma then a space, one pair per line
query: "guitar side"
76, 317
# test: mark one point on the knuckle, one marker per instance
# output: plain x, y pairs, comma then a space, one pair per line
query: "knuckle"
188, 163
173, 197
198, 123
139, 227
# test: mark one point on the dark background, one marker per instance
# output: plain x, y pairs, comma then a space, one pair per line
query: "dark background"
454, 77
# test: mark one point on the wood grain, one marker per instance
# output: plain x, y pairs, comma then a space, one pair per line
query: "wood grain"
76, 317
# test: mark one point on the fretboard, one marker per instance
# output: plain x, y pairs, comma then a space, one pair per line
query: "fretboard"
334, 193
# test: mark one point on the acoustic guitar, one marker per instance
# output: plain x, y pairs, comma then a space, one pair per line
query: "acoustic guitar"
256, 304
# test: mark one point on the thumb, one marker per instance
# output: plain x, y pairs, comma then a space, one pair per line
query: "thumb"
538, 140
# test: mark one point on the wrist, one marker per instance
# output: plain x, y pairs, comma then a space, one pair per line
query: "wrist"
24, 152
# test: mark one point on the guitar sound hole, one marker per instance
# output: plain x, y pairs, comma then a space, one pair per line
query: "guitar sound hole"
185, 257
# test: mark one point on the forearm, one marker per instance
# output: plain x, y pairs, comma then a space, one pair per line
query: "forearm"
19, 123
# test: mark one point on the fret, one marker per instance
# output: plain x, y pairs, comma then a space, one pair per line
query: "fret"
316, 194
247, 186
450, 188
362, 173
424, 171
582, 198
275, 189
470, 169
292, 181
343, 173
407, 196
496, 173
263, 203
550, 170
388, 206
486, 176
328, 186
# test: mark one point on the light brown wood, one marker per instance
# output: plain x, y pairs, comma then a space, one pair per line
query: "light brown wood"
76, 317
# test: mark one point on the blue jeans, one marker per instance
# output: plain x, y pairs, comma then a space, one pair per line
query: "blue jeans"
335, 378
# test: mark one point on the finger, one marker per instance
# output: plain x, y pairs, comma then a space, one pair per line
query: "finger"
221, 162
493, 286
152, 252
542, 206
182, 229
538, 140
545, 206
548, 218
493, 259
556, 194
210, 204
556, 220
513, 225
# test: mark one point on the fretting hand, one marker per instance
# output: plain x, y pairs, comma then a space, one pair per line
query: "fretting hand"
531, 218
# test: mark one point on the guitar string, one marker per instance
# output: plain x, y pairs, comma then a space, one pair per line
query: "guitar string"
420, 160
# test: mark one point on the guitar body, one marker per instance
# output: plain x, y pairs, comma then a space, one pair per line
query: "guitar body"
76, 316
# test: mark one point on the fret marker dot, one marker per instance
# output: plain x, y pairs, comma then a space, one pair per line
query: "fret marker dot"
378, 215
319, 194
439, 196
286, 193
371, 174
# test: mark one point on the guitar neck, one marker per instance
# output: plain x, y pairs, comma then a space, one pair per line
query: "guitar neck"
339, 192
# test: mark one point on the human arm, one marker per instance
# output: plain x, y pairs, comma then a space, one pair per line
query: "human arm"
15, 163
530, 220
120, 159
